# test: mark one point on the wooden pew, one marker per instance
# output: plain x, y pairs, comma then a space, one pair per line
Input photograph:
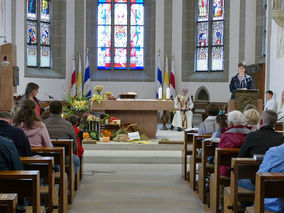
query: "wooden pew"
223, 157
197, 144
8, 203
45, 166
267, 185
208, 149
68, 145
187, 150
25, 184
60, 177
242, 168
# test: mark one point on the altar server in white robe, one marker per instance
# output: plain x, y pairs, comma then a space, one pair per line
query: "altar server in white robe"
271, 103
183, 116
281, 110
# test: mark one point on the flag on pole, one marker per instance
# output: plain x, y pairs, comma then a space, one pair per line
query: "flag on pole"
79, 79
73, 80
159, 76
166, 78
87, 79
172, 80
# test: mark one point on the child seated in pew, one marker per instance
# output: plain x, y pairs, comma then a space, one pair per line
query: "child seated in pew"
221, 125
73, 119
31, 124
208, 126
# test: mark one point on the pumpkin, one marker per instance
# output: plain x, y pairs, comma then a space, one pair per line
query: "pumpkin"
107, 133
86, 135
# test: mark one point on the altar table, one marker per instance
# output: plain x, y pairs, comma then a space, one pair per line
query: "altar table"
139, 111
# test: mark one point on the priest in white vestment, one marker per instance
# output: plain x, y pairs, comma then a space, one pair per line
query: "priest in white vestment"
271, 103
183, 116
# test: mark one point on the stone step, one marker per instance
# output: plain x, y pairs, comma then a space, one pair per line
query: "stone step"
133, 156
126, 146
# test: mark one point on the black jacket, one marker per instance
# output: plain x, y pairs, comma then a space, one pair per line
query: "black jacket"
9, 157
18, 137
260, 141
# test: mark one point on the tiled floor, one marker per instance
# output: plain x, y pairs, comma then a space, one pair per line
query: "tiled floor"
135, 188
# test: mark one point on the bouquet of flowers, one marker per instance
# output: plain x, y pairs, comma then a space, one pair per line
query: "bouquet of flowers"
98, 97
75, 106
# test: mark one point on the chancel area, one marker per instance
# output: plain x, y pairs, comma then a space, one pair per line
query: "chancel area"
145, 106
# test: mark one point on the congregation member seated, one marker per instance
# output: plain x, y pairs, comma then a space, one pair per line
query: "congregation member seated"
28, 120
10, 160
183, 116
273, 161
281, 110
234, 135
221, 125
252, 117
15, 134
271, 103
73, 119
30, 94
260, 141
208, 126
58, 128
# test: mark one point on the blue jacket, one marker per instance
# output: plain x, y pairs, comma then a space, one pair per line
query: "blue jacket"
247, 82
9, 157
273, 162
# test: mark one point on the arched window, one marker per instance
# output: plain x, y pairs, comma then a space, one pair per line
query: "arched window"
38, 29
209, 41
120, 35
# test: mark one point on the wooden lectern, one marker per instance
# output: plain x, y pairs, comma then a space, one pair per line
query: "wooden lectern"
243, 98
8, 53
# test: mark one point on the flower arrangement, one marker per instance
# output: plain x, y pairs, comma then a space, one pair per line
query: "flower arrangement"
75, 105
98, 97
99, 89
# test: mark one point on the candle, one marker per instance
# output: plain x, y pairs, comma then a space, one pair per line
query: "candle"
168, 93
160, 93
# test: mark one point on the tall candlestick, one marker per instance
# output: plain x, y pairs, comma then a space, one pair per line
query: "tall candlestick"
168, 93
160, 93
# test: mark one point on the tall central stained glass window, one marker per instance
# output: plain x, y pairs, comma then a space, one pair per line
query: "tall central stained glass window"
209, 41
38, 26
120, 41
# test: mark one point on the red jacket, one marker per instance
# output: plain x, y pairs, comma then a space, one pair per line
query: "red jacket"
80, 147
233, 137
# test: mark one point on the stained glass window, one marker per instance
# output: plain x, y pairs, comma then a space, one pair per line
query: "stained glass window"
38, 33
209, 47
120, 41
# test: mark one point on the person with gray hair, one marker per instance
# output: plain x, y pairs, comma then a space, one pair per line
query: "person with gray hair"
234, 135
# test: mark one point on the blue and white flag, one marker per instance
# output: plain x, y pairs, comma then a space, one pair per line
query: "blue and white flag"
159, 77
87, 79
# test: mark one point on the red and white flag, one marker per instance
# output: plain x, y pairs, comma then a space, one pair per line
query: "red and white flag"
73, 91
173, 81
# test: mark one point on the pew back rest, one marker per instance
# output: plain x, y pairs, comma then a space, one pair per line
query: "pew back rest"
8, 203
68, 146
241, 168
267, 185
24, 183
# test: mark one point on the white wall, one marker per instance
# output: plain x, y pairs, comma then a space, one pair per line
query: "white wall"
276, 65
218, 91
53, 87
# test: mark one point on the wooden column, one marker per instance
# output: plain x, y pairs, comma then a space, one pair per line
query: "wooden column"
6, 76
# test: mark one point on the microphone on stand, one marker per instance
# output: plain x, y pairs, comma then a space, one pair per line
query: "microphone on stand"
49, 96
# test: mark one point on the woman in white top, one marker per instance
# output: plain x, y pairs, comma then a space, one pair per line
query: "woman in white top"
281, 110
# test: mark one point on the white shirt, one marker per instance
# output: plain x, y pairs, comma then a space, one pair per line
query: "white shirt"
271, 105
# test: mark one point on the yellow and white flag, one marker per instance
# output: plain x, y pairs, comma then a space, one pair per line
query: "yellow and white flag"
79, 79
166, 78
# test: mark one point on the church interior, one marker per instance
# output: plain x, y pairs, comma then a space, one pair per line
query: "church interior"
145, 106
